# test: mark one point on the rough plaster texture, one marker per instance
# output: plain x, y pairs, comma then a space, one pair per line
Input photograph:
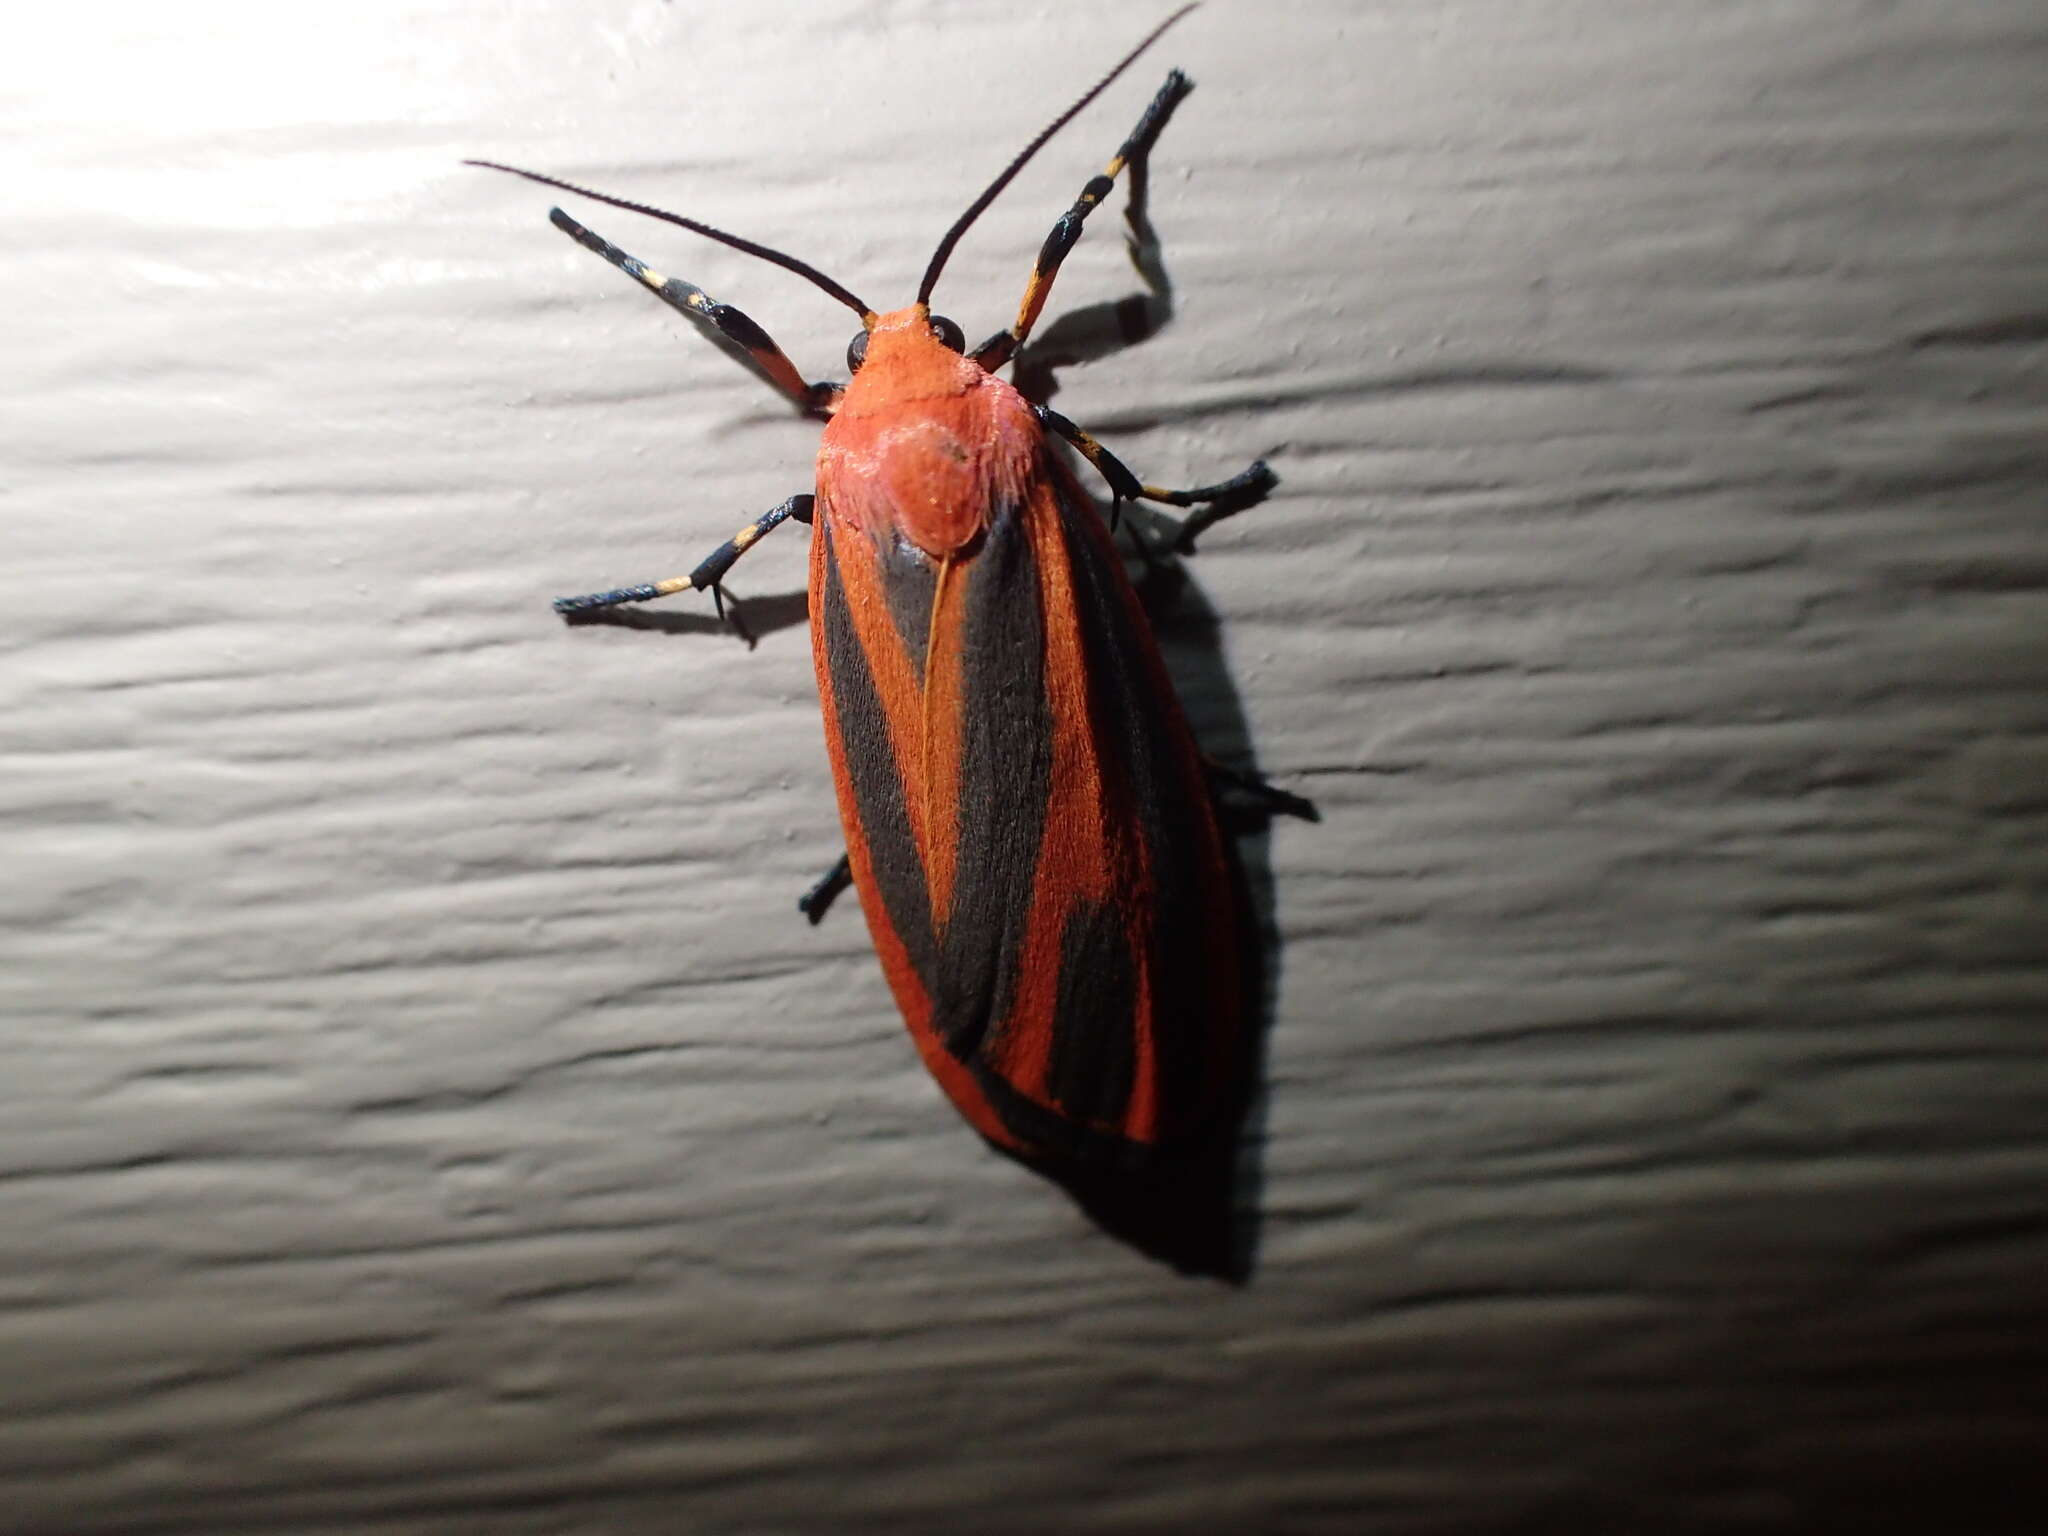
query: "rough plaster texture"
419, 1108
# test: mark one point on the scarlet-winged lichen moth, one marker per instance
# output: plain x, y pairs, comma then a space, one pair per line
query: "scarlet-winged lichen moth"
1029, 823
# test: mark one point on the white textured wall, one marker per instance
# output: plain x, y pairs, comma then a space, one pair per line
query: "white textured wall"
420, 1110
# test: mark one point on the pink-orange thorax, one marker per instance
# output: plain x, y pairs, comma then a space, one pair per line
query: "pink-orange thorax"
925, 442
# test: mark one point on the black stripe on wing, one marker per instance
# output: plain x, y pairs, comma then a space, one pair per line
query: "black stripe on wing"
869, 755
1005, 783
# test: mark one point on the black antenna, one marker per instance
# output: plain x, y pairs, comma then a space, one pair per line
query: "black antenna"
800, 268
974, 211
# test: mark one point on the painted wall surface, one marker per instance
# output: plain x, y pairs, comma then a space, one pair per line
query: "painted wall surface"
421, 1110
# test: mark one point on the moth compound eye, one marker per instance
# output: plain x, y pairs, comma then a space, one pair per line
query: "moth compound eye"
948, 334
856, 352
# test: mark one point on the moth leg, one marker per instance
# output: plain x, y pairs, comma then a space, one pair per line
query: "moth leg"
731, 330
999, 348
1269, 799
709, 572
1245, 488
815, 902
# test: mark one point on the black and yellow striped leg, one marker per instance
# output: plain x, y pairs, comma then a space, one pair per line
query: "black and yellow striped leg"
731, 330
818, 899
709, 572
999, 348
1217, 501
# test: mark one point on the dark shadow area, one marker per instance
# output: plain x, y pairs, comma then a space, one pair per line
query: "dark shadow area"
1194, 1211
